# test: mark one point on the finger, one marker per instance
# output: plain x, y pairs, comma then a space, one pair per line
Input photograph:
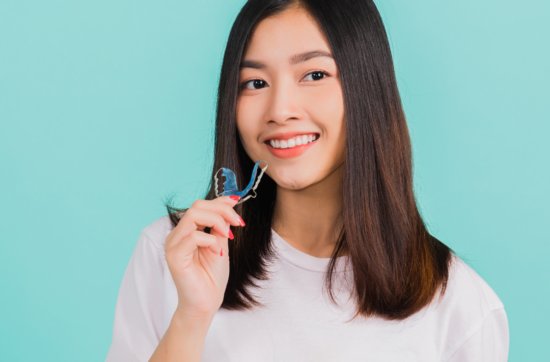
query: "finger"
201, 239
229, 200
184, 250
221, 207
197, 219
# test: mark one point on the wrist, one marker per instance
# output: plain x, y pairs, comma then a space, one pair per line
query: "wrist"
192, 320
184, 338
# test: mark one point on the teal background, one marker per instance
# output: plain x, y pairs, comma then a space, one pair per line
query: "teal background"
106, 107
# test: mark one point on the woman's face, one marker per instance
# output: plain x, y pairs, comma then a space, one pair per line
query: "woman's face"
290, 109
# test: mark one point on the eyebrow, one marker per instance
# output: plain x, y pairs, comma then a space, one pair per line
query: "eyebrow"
298, 58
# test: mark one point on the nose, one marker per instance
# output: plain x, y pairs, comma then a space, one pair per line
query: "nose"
284, 103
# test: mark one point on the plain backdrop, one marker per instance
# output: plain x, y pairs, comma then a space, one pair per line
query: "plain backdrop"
107, 107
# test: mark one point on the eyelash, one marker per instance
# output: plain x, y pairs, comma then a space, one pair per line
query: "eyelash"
242, 86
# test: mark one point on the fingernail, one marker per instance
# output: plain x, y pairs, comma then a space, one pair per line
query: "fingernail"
241, 221
234, 197
221, 252
230, 234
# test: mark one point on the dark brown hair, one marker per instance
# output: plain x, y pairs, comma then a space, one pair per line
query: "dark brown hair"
398, 267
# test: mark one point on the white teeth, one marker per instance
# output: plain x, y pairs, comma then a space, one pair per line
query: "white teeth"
293, 142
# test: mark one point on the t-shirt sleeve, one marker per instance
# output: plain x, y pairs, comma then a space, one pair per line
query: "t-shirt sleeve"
137, 328
489, 343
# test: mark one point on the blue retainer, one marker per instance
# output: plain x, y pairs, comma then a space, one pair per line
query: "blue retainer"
230, 184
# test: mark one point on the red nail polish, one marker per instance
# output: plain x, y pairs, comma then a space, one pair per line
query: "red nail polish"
230, 234
235, 197
241, 221
221, 252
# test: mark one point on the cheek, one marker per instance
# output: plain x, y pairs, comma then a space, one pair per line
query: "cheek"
247, 123
328, 110
327, 107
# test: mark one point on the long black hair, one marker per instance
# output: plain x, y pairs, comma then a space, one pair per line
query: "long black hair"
398, 267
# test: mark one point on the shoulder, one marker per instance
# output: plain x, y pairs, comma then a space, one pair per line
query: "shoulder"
467, 290
157, 231
468, 308
473, 316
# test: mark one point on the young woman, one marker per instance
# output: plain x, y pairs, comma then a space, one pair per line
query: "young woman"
331, 261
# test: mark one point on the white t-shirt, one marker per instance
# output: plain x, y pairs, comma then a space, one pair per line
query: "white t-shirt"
299, 323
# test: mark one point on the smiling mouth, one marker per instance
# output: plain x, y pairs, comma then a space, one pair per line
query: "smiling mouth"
300, 140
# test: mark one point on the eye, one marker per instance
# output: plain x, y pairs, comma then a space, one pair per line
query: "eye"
254, 84
316, 75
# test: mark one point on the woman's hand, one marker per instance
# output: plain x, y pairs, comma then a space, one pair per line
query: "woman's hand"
198, 261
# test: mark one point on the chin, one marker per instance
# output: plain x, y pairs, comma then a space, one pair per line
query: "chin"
292, 180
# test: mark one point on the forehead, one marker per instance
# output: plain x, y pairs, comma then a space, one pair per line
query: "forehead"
283, 35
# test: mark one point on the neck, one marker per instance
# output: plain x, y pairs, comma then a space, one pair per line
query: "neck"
310, 219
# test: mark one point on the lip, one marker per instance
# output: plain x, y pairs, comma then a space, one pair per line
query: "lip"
287, 135
289, 152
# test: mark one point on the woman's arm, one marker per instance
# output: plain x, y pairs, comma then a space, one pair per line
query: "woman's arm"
489, 343
183, 341
199, 266
138, 324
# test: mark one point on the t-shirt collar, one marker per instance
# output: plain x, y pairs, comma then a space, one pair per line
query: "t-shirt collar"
303, 260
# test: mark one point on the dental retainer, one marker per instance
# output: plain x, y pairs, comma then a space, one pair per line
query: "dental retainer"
230, 185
